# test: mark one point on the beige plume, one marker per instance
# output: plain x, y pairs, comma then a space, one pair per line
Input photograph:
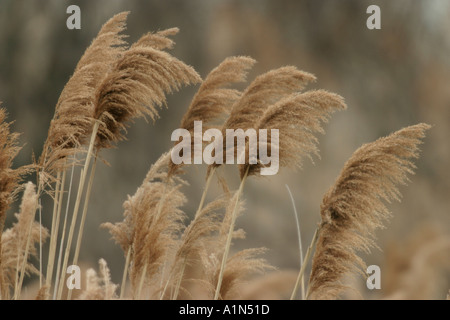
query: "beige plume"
354, 208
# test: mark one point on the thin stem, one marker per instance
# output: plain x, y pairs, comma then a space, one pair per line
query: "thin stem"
141, 282
52, 233
180, 279
55, 202
166, 286
63, 235
59, 196
125, 273
299, 239
307, 257
230, 236
64, 267
83, 217
163, 271
205, 191
77, 203
40, 244
16, 281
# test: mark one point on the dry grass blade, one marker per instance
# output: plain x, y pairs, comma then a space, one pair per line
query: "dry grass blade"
14, 251
300, 247
353, 208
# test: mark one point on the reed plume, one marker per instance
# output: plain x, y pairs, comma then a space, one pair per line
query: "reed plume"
99, 287
124, 232
9, 177
214, 98
151, 227
239, 267
297, 117
9, 183
210, 105
354, 207
202, 229
72, 123
198, 236
156, 235
14, 242
136, 85
213, 101
265, 90
158, 40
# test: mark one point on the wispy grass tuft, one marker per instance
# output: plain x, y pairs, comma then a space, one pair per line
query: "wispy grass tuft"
354, 207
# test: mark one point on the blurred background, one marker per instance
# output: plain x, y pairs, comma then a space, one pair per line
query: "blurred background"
390, 78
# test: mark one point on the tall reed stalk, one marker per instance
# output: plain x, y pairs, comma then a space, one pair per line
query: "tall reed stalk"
230, 235
83, 176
